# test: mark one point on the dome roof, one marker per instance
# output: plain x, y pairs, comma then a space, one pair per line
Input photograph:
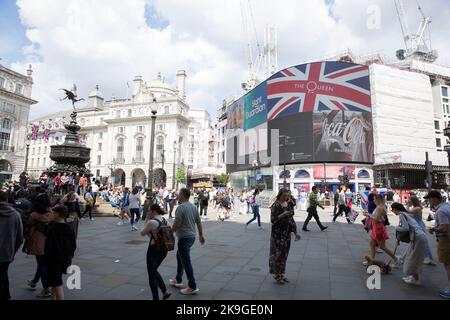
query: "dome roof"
96, 93
159, 83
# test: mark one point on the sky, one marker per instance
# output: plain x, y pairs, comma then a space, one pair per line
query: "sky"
109, 42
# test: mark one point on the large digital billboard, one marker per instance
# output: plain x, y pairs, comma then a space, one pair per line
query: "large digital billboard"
316, 112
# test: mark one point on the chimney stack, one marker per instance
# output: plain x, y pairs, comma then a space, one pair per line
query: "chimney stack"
181, 83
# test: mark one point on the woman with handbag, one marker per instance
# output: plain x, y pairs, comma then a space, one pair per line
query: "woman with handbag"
378, 233
409, 231
40, 217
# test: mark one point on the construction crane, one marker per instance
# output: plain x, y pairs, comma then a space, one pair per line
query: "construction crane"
254, 59
417, 45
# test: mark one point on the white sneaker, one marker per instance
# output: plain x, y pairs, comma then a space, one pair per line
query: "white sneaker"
120, 223
411, 280
261, 228
134, 228
365, 263
92, 219
429, 262
173, 282
379, 251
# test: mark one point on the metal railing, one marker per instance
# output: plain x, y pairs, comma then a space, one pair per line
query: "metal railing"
119, 160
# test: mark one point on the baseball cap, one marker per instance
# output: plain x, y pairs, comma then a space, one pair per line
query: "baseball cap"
23, 204
433, 194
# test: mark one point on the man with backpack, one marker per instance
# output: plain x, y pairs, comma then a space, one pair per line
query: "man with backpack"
186, 219
11, 237
204, 200
89, 198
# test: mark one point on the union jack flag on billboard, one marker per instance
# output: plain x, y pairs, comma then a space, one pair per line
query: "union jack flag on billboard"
319, 86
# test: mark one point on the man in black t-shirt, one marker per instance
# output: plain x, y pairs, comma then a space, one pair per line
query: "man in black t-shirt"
389, 198
203, 199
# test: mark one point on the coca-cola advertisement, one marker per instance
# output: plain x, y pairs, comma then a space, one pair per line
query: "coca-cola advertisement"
343, 136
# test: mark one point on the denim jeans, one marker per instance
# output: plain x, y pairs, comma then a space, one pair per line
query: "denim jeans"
41, 271
256, 215
154, 260
136, 212
184, 261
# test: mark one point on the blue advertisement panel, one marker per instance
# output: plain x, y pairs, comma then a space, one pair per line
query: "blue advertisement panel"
255, 104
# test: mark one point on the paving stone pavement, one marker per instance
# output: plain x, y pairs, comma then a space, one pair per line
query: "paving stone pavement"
233, 264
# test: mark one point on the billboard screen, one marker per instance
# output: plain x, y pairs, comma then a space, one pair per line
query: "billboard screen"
316, 112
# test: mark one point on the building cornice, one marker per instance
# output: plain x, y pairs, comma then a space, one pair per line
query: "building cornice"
162, 117
17, 97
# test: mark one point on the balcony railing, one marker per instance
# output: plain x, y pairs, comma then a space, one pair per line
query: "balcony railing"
6, 149
119, 160
138, 159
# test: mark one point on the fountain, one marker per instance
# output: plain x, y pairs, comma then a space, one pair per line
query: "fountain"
71, 156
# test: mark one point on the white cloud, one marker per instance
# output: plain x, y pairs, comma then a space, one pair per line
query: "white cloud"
108, 42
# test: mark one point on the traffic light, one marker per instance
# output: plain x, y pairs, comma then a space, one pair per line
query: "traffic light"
435, 178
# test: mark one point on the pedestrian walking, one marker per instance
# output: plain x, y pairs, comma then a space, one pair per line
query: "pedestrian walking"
415, 210
89, 198
312, 211
153, 221
60, 246
254, 201
283, 225
186, 219
417, 243
83, 184
71, 201
378, 233
172, 202
303, 200
135, 208
203, 200
37, 224
342, 204
442, 232
11, 237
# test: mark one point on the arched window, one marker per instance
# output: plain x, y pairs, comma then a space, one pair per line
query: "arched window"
159, 147
363, 174
120, 144
166, 109
286, 173
140, 148
5, 166
302, 174
6, 124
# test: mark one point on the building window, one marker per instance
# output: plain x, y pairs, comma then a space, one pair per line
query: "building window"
140, 148
436, 125
2, 82
438, 143
6, 124
117, 113
43, 161
98, 173
444, 91
99, 159
159, 147
120, 143
4, 141
45, 150
99, 146
191, 130
140, 128
37, 162
121, 129
39, 150
32, 163
130, 112
160, 127
166, 109
100, 135
9, 107
19, 88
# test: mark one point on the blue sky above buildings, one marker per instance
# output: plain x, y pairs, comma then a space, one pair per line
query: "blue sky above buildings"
12, 33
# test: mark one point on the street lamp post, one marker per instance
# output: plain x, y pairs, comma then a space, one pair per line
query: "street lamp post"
174, 164
154, 110
447, 147
27, 150
111, 167
162, 158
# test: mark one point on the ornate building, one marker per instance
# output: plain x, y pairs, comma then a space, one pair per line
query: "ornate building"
118, 133
15, 102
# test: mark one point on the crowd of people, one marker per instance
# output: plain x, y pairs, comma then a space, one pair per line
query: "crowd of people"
44, 221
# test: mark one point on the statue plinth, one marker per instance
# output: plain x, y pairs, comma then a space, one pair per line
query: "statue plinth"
70, 156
